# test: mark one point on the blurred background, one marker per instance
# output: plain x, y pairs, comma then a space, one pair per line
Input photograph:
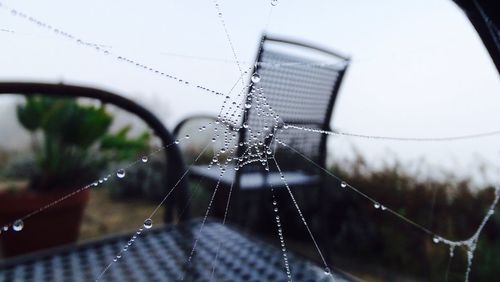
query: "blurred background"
418, 69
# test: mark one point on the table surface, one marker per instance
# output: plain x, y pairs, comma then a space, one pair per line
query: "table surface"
161, 254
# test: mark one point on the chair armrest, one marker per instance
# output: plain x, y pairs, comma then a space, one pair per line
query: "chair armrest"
173, 154
183, 122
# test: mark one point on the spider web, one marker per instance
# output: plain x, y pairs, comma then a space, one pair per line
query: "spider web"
261, 148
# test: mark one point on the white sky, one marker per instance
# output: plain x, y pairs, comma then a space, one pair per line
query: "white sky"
419, 68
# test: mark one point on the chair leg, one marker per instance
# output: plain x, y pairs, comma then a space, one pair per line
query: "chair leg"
323, 217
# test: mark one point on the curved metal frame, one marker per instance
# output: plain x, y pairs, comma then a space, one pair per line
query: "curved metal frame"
173, 154
181, 124
484, 16
306, 45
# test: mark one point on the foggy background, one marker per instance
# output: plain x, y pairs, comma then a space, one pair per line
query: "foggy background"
419, 69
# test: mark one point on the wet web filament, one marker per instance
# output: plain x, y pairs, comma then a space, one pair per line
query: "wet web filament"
469, 245
303, 219
105, 51
17, 225
258, 148
396, 138
148, 223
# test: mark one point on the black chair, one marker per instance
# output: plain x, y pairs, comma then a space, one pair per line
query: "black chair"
161, 253
302, 89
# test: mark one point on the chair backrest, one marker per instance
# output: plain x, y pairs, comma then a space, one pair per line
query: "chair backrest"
300, 82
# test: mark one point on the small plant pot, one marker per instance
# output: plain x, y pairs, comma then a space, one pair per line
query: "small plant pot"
54, 226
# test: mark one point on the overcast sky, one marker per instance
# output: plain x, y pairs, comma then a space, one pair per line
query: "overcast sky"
419, 68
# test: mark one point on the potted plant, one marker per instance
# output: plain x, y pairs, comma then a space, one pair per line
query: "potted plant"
72, 144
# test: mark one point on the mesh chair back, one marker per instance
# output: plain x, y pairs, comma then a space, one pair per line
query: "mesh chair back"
300, 83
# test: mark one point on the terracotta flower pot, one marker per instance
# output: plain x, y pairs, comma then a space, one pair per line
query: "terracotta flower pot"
57, 225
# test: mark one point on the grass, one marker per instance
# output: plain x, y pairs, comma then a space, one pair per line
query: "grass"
104, 215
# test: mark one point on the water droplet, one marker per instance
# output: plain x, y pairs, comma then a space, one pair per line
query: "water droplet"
176, 141
274, 2
436, 239
327, 271
383, 208
343, 184
144, 159
148, 223
18, 225
275, 209
120, 173
269, 151
376, 205
187, 137
255, 78
248, 105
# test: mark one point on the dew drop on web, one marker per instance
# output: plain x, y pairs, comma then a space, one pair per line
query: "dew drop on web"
18, 225
255, 78
327, 271
148, 223
120, 173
